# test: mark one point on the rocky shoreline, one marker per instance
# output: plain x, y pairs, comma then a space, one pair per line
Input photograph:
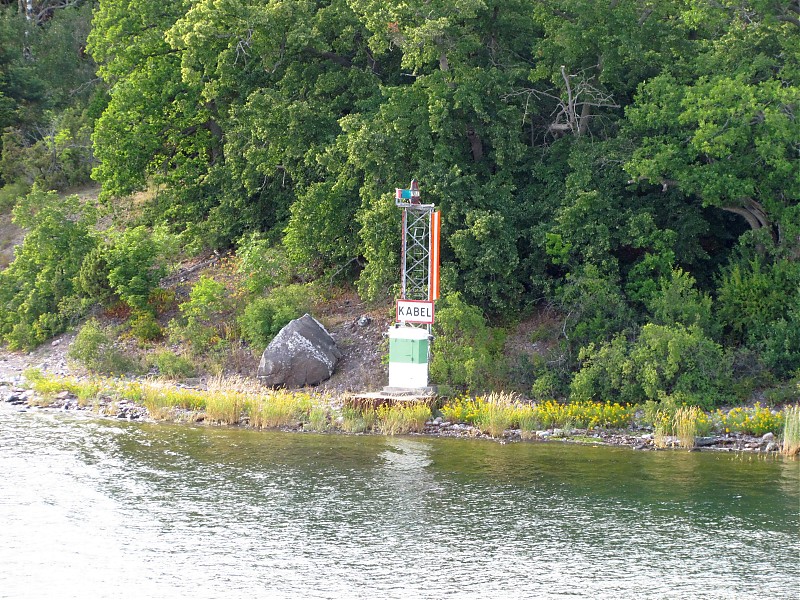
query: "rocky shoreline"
640, 440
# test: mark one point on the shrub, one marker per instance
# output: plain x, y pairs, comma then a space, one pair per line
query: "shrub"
144, 327
466, 351
595, 306
92, 278
201, 325
679, 302
10, 193
782, 345
161, 300
172, 366
134, 267
663, 360
754, 295
263, 318
755, 420
93, 347
40, 280
263, 265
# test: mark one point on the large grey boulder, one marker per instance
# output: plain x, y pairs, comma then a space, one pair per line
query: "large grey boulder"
303, 353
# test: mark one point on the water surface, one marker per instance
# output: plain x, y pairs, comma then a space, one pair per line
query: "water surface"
95, 508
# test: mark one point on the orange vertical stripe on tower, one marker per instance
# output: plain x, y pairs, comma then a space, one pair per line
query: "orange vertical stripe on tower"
433, 255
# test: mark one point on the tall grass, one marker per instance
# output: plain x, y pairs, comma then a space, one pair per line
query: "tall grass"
791, 431
662, 428
498, 413
225, 407
529, 421
685, 424
396, 419
162, 401
358, 420
318, 419
280, 408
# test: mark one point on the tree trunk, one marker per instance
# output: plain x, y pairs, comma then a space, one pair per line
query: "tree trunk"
754, 214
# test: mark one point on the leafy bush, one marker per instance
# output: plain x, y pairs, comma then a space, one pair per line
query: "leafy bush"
93, 347
40, 280
262, 264
263, 318
10, 193
782, 345
664, 360
755, 295
144, 327
172, 366
595, 306
201, 323
92, 280
466, 351
755, 420
134, 265
679, 302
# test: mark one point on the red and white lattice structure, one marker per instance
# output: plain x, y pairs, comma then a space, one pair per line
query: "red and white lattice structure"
421, 235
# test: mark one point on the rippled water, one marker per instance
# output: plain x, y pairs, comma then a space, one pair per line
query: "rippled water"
103, 509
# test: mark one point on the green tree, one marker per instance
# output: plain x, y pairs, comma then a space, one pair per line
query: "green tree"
37, 286
720, 125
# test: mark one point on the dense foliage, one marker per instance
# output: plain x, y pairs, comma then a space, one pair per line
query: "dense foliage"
634, 165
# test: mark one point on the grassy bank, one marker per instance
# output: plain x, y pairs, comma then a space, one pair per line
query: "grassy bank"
236, 401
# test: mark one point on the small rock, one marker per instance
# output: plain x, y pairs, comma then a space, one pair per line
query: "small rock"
647, 436
55, 343
62, 395
437, 421
768, 437
363, 321
771, 447
705, 441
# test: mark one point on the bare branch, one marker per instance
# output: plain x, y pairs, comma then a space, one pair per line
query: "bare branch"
789, 19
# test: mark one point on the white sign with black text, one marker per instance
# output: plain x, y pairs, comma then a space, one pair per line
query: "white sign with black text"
415, 311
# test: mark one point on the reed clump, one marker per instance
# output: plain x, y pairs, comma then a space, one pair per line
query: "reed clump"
529, 421
318, 419
225, 407
358, 420
499, 412
662, 429
790, 445
685, 425
280, 408
397, 419
163, 401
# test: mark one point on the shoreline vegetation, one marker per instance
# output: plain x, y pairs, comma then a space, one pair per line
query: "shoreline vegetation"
505, 417
612, 228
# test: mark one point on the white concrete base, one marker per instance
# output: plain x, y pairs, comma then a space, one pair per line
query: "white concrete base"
408, 375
